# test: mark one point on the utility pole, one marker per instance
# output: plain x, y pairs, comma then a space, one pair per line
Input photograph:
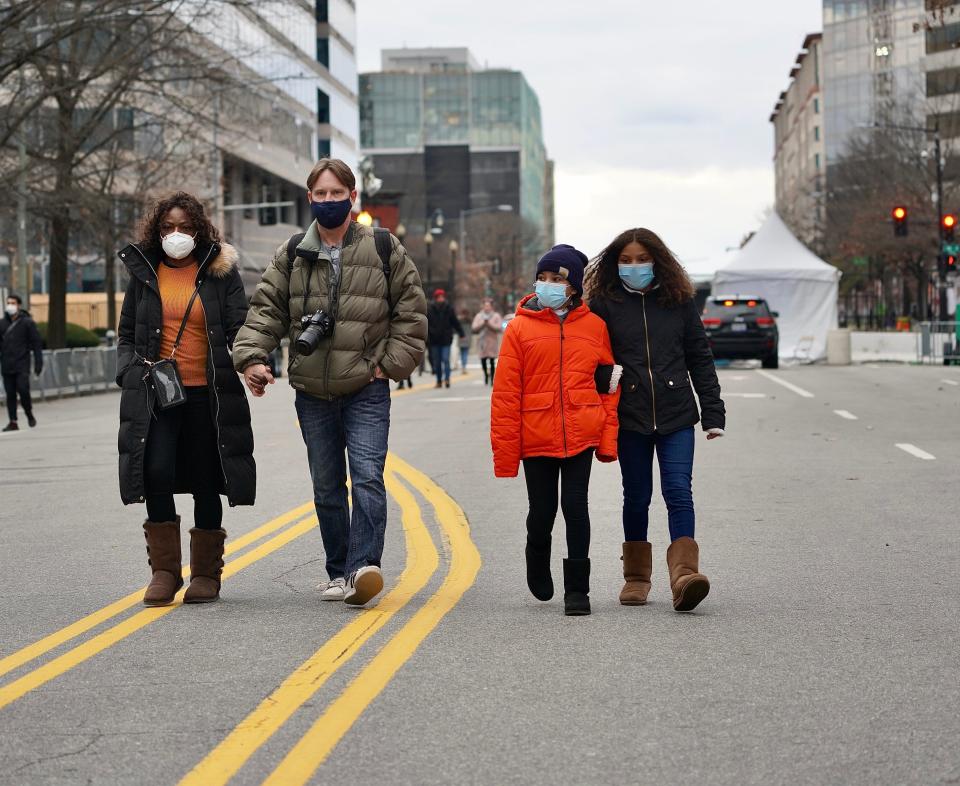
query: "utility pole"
24, 268
940, 238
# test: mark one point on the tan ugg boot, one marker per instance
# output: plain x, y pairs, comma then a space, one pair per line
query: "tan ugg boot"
163, 557
688, 584
206, 565
637, 568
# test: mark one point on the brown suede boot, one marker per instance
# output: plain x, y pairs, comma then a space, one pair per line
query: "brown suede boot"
688, 584
206, 565
637, 567
163, 557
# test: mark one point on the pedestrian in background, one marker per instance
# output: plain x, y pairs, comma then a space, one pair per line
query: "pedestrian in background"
637, 287
19, 339
442, 323
488, 325
464, 342
548, 412
185, 301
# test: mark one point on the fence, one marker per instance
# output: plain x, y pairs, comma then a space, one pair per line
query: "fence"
939, 343
72, 372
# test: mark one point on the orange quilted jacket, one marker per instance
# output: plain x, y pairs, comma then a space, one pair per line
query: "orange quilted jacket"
545, 400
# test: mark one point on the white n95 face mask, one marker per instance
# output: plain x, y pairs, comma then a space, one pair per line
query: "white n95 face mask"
177, 245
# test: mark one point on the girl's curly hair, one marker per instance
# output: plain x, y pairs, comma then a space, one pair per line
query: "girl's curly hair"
603, 277
149, 240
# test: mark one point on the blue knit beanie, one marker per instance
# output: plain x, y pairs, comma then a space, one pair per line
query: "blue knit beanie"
566, 261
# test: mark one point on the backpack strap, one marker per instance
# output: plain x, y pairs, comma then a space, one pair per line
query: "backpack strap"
381, 237
292, 244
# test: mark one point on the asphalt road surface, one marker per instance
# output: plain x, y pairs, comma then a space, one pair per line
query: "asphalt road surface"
827, 651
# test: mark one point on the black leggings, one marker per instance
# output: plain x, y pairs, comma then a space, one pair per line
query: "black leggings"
183, 444
542, 475
488, 376
17, 385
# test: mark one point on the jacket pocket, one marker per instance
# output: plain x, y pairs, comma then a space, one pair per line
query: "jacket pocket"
586, 416
676, 381
538, 418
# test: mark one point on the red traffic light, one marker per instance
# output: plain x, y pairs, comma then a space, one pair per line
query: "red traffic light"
899, 213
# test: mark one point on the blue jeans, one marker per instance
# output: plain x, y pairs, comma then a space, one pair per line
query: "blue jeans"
464, 353
358, 424
675, 457
440, 360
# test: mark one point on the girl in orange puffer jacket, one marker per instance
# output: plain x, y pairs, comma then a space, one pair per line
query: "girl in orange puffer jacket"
554, 404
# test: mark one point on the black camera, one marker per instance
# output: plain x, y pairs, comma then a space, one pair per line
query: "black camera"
315, 327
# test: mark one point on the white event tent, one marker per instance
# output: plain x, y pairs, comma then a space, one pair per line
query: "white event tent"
794, 281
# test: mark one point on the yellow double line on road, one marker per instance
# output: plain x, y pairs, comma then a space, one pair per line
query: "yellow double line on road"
86, 650
273, 712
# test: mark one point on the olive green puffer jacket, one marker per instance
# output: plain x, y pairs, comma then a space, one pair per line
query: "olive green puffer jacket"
365, 336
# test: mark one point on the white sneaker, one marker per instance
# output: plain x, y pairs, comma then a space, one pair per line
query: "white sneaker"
333, 589
363, 586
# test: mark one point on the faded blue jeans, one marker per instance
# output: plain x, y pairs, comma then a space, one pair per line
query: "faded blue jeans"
358, 425
675, 457
440, 360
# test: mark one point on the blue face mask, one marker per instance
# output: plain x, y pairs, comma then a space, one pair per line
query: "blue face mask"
637, 276
330, 215
551, 295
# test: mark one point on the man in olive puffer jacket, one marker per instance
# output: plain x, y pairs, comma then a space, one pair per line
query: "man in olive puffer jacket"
343, 395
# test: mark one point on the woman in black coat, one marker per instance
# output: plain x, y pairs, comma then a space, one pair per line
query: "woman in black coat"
203, 446
643, 294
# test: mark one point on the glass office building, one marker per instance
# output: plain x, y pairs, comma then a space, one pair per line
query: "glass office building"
446, 135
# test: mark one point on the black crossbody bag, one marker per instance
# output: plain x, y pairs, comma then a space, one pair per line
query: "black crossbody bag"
164, 375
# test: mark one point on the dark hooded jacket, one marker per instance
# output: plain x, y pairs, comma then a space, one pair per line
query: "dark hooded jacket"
141, 326
662, 349
19, 339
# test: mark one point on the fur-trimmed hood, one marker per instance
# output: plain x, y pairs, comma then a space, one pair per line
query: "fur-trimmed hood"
221, 265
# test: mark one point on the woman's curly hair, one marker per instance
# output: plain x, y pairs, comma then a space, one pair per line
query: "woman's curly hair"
603, 276
149, 240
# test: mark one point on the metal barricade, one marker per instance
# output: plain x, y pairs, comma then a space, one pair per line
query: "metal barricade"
939, 343
72, 372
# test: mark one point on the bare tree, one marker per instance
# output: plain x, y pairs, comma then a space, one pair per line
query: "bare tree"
104, 97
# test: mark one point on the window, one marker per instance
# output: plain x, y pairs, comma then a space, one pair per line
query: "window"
816, 160
942, 39
323, 51
816, 133
323, 107
816, 106
322, 11
943, 82
323, 148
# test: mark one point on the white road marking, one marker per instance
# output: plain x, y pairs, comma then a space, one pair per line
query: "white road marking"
456, 399
844, 414
949, 382
737, 378
788, 385
913, 450
725, 394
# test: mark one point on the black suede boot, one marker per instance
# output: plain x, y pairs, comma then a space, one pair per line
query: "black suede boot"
539, 579
576, 587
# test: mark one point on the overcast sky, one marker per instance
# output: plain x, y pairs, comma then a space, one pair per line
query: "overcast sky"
656, 113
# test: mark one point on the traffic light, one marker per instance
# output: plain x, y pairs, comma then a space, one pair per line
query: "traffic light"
949, 224
899, 214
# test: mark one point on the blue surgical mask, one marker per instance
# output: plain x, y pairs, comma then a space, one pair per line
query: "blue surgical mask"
330, 215
637, 276
551, 295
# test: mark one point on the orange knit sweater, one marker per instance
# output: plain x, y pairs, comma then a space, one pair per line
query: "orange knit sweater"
176, 287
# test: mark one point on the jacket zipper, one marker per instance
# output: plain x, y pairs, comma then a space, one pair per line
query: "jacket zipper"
646, 336
563, 417
333, 316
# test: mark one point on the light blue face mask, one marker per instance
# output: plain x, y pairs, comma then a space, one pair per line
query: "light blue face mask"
551, 295
637, 276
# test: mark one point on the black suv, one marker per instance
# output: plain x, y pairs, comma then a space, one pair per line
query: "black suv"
742, 327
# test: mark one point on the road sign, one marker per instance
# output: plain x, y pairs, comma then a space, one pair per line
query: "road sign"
951, 248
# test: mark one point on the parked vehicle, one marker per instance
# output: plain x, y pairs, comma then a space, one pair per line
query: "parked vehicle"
742, 326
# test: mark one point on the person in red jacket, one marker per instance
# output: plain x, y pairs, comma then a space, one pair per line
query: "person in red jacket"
554, 404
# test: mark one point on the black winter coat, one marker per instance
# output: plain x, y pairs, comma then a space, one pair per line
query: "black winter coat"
661, 348
442, 323
19, 339
141, 325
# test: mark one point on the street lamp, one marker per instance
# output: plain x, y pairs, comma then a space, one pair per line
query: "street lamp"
452, 278
401, 231
473, 211
428, 242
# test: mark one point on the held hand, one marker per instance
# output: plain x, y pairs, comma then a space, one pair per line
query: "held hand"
713, 433
606, 459
257, 377
378, 374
